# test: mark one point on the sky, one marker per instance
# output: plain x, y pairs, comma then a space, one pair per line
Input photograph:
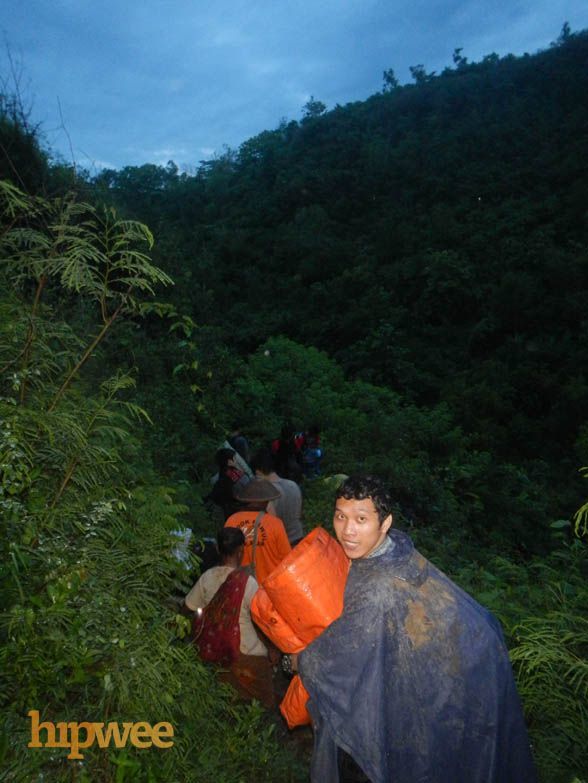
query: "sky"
119, 83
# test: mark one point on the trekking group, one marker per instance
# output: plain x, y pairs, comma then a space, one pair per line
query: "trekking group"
402, 675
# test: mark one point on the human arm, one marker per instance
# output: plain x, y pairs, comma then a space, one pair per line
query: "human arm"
196, 597
256, 641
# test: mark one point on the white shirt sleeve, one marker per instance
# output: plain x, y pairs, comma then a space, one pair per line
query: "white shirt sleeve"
195, 598
251, 644
250, 589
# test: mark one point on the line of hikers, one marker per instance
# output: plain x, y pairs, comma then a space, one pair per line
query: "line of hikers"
297, 454
402, 675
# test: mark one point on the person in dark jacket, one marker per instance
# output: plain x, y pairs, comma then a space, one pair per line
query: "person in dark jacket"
287, 453
239, 442
413, 681
230, 480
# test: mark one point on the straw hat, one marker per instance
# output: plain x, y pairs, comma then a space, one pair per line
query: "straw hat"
258, 491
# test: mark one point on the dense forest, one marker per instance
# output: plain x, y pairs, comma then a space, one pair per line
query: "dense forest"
409, 273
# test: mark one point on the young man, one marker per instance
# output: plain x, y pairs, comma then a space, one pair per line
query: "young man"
288, 507
413, 681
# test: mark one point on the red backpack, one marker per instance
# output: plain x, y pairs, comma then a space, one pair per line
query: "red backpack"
216, 630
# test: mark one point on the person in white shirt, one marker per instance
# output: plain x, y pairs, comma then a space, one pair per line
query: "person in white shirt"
223, 629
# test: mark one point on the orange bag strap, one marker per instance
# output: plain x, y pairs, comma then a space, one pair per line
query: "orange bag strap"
258, 519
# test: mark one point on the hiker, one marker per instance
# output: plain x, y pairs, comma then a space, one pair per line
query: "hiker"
288, 507
238, 441
230, 478
266, 542
287, 452
223, 630
413, 681
312, 453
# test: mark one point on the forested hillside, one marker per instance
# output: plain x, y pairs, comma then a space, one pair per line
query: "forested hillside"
431, 239
410, 274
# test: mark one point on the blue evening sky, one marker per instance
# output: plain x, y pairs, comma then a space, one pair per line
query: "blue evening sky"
127, 82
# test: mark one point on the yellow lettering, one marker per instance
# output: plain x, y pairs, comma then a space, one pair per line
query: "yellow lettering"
112, 732
160, 732
63, 743
141, 735
36, 730
75, 742
143, 741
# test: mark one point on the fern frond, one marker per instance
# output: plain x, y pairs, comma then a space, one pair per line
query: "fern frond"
581, 520
12, 200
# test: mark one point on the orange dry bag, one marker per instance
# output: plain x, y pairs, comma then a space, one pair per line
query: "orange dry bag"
299, 599
306, 588
293, 705
273, 625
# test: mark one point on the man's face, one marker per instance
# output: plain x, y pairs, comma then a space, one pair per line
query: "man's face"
357, 527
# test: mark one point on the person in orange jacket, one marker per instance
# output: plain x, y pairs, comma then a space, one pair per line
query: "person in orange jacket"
266, 542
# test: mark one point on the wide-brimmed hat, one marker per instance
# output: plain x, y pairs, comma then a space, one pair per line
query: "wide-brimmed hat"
258, 491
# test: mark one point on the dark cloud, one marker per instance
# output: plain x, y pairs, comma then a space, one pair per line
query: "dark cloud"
146, 81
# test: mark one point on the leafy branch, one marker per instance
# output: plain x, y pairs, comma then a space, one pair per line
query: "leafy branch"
111, 424
86, 250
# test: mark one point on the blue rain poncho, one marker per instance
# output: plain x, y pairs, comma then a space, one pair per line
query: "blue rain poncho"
414, 681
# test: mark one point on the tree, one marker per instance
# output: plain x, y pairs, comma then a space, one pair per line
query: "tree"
313, 108
458, 59
419, 74
564, 36
22, 159
390, 80
87, 250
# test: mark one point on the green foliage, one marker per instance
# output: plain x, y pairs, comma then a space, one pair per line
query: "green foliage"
335, 272
313, 108
86, 251
581, 516
438, 477
89, 629
318, 502
390, 80
551, 657
349, 232
22, 159
419, 74
542, 608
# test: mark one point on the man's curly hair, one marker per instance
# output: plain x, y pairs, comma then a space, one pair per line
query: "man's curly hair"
362, 487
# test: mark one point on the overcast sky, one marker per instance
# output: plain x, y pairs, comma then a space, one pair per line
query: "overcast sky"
146, 81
